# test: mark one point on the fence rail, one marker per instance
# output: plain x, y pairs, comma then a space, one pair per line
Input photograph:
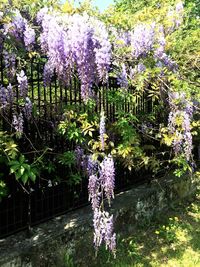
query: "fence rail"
30, 205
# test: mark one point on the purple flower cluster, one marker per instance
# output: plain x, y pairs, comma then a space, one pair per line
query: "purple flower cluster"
6, 96
10, 94
122, 38
83, 52
22, 84
29, 37
79, 154
140, 68
179, 124
28, 106
17, 123
102, 130
21, 30
10, 62
92, 166
175, 16
101, 182
122, 79
40, 15
102, 50
73, 43
164, 59
142, 40
3, 99
103, 230
94, 193
107, 177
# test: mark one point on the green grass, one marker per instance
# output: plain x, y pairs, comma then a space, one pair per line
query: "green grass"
172, 240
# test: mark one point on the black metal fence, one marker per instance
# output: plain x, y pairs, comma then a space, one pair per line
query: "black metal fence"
29, 205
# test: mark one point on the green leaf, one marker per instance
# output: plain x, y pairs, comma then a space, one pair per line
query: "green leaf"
14, 168
14, 162
21, 170
18, 175
21, 159
32, 176
24, 177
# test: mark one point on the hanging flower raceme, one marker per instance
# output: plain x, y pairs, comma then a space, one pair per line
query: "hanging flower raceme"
3, 98
21, 30
102, 50
107, 177
23, 84
29, 37
28, 107
179, 124
82, 44
6, 96
101, 185
74, 44
10, 64
159, 53
102, 130
123, 38
175, 16
103, 230
94, 191
17, 123
142, 39
122, 79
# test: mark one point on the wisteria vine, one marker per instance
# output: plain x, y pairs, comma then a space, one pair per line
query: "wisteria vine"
101, 185
179, 124
80, 45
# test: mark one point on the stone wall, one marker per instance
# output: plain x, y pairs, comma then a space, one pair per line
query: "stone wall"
52, 242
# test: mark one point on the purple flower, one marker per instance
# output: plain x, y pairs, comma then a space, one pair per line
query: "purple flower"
102, 50
93, 191
10, 62
23, 84
103, 230
92, 166
28, 108
187, 145
175, 17
6, 95
107, 177
17, 25
40, 15
17, 123
10, 94
165, 59
122, 79
29, 37
179, 7
140, 68
181, 110
102, 130
79, 154
83, 51
48, 73
125, 37
3, 97
75, 44
142, 39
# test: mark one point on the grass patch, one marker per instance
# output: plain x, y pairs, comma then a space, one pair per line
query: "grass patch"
172, 240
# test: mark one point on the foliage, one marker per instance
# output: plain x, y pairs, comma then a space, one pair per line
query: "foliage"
149, 47
22, 170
